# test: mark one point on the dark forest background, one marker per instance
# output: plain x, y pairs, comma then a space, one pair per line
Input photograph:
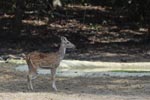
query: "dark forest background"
97, 27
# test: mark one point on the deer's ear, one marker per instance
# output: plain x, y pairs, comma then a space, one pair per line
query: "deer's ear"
63, 38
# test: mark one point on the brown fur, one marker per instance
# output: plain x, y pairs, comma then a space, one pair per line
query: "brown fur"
43, 60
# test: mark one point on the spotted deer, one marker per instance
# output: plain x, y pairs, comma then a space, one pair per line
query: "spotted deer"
50, 61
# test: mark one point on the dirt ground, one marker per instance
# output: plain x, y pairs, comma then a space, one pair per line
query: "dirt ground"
13, 86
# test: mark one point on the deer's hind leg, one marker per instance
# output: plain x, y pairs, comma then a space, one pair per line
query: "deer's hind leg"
31, 75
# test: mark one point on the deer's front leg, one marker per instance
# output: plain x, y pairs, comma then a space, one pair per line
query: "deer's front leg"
53, 74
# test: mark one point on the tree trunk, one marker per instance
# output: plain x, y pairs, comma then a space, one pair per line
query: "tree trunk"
18, 17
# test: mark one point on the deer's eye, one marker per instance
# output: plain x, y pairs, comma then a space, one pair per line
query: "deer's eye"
67, 42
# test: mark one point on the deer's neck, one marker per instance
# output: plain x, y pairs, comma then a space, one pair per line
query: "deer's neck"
62, 51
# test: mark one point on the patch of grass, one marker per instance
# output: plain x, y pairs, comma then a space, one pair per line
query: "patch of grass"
130, 71
3, 64
17, 61
11, 63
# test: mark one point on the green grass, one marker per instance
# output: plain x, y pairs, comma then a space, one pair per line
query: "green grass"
128, 71
12, 63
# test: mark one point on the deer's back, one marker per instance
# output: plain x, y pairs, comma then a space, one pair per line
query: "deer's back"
43, 60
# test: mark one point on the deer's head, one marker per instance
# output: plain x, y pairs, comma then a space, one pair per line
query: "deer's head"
66, 43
